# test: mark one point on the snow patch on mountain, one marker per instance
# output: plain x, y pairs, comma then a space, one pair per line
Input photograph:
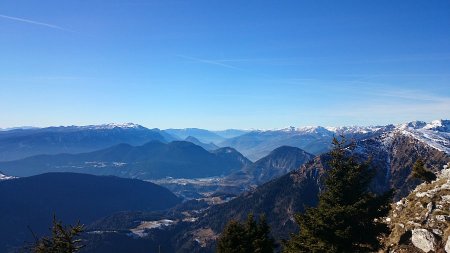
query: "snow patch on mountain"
306, 130
5, 177
356, 129
87, 127
435, 134
113, 125
439, 125
329, 130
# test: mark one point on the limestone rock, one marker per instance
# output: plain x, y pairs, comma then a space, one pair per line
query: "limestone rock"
423, 239
441, 218
438, 232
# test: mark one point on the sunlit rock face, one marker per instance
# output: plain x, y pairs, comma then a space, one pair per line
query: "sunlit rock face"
420, 222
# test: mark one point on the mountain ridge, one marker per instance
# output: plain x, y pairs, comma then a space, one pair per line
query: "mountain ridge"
21, 143
152, 160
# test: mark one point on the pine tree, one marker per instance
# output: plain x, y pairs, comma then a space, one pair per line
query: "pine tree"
346, 218
263, 242
248, 237
231, 239
63, 239
419, 171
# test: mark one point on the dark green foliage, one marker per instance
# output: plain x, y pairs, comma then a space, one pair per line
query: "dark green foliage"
64, 239
247, 237
420, 172
345, 218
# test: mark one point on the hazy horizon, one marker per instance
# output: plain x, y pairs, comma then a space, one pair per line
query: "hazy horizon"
211, 129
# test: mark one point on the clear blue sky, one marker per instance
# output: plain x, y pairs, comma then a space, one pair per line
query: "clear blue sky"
223, 64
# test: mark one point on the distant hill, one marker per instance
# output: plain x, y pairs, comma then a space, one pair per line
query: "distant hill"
206, 136
279, 162
207, 146
20, 143
152, 160
202, 135
230, 133
32, 202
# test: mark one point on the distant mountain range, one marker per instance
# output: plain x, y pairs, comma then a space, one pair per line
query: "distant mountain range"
17, 143
29, 203
21, 143
153, 160
315, 140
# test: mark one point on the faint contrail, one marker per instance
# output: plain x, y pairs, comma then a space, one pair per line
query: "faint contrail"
33, 22
212, 62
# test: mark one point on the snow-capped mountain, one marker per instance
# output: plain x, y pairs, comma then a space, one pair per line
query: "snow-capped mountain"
308, 130
317, 139
112, 126
435, 134
5, 177
329, 130
395, 151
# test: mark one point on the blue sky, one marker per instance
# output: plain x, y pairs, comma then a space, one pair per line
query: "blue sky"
223, 64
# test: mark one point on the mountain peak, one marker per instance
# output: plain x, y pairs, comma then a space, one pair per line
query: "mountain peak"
414, 124
313, 129
439, 125
284, 149
435, 134
304, 130
192, 139
114, 125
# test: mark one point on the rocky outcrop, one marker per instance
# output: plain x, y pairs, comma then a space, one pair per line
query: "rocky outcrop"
420, 222
423, 239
